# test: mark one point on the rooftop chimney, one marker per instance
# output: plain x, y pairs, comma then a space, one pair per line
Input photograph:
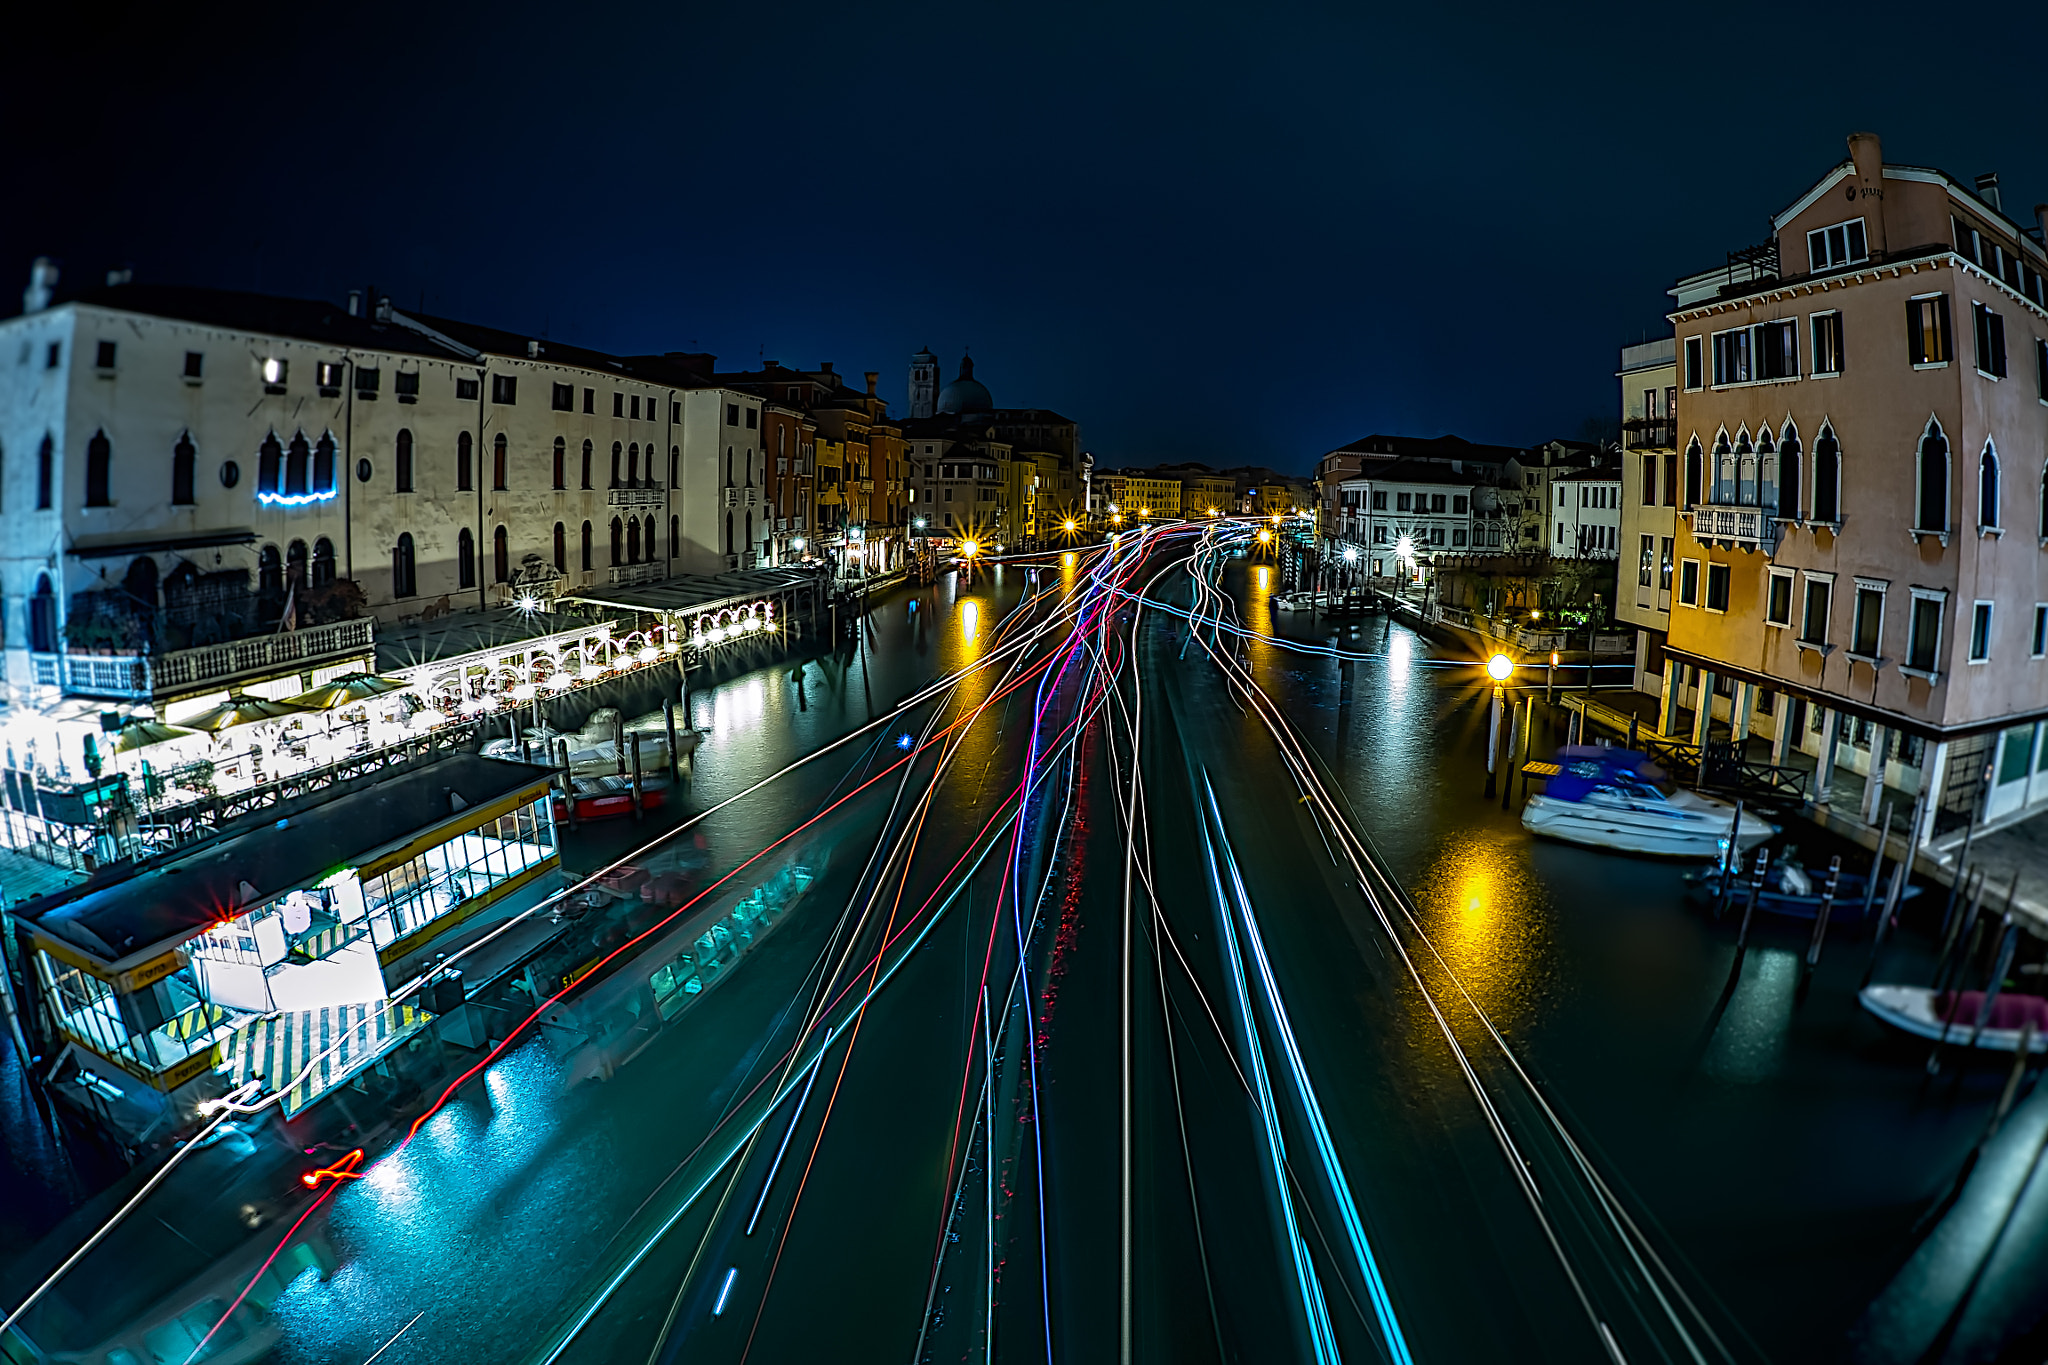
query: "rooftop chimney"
355, 303
872, 375
826, 366
42, 282
533, 350
125, 275
384, 308
1867, 186
1987, 189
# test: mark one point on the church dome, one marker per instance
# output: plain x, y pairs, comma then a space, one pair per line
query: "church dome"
966, 393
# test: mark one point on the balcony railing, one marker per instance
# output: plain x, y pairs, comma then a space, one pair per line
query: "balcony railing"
626, 575
637, 497
1751, 527
1649, 433
140, 677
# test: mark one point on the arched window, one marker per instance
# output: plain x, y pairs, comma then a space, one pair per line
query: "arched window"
561, 461
728, 468
1723, 489
498, 462
1788, 504
323, 464
501, 556
270, 466
647, 539
462, 453
1827, 477
586, 547
2043, 530
298, 460
99, 470
618, 541
1749, 470
750, 466
617, 451
1692, 473
270, 573
184, 463
323, 563
633, 465
750, 533
586, 464
675, 466
1932, 512
675, 535
465, 559
1987, 487
404, 582
728, 533
46, 470
140, 581
632, 540
42, 617
561, 548
403, 462
295, 564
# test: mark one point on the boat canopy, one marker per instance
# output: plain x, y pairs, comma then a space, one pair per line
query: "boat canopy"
1586, 768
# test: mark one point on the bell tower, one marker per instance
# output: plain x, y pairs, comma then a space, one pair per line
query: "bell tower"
924, 383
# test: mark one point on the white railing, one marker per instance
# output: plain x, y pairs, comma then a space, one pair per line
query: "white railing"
637, 497
140, 676
624, 575
1752, 526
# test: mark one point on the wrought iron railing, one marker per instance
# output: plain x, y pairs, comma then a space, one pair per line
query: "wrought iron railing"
141, 676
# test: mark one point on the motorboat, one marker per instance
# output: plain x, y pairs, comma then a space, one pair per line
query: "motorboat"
1951, 1016
1790, 889
1619, 799
1294, 601
610, 796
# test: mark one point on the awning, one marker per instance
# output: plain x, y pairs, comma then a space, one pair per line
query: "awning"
122, 547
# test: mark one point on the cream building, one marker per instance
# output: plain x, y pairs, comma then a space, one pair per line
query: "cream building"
1649, 501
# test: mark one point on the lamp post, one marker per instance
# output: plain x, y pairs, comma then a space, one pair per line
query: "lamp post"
1499, 668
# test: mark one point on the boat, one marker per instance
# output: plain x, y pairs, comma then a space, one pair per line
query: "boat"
1791, 890
607, 797
1619, 799
1294, 601
1952, 1017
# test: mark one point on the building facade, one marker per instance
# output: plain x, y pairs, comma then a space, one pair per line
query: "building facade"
1649, 501
1862, 538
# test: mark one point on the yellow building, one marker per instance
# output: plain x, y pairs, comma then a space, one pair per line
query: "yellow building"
1207, 497
1144, 496
831, 498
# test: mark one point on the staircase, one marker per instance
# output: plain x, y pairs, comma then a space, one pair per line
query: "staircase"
277, 1048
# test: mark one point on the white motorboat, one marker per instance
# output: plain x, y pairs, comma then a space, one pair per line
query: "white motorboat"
1616, 798
1918, 1010
1293, 601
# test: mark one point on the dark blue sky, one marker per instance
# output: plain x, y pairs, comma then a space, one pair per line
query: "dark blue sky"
1233, 235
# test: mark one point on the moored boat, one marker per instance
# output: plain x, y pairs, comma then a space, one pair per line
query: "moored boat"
1952, 1016
1791, 890
1619, 799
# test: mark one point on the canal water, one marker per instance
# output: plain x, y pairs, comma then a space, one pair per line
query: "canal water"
1782, 1154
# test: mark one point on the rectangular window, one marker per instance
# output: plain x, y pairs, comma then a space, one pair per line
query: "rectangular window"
2041, 370
1867, 630
1813, 627
406, 384
618, 403
1731, 356
1457, 537
328, 374
1649, 481
465, 390
633, 406
1436, 502
1826, 329
53, 357
1695, 369
565, 398
1777, 350
1990, 329
367, 382
1980, 632
1830, 247
195, 364
753, 418
1404, 502
1968, 244
1923, 640
1459, 503
1646, 563
1927, 330
1717, 587
1379, 535
1664, 564
1778, 605
1436, 535
2039, 648
675, 411
504, 388
732, 414
1689, 583
590, 401
105, 359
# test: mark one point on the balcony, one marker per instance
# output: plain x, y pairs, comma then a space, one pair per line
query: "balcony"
1751, 528
627, 575
144, 677
637, 497
742, 497
1649, 433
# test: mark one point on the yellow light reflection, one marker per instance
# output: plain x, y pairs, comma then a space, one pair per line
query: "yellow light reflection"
970, 621
1481, 905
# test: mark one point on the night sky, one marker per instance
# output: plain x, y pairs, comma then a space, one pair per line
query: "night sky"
1233, 235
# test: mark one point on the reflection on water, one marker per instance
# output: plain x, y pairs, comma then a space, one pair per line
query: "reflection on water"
1749, 1044
1483, 907
970, 621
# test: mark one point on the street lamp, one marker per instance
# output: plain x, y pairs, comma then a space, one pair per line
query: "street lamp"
1500, 668
968, 548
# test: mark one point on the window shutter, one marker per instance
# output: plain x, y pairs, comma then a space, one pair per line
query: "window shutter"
1941, 322
1916, 344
